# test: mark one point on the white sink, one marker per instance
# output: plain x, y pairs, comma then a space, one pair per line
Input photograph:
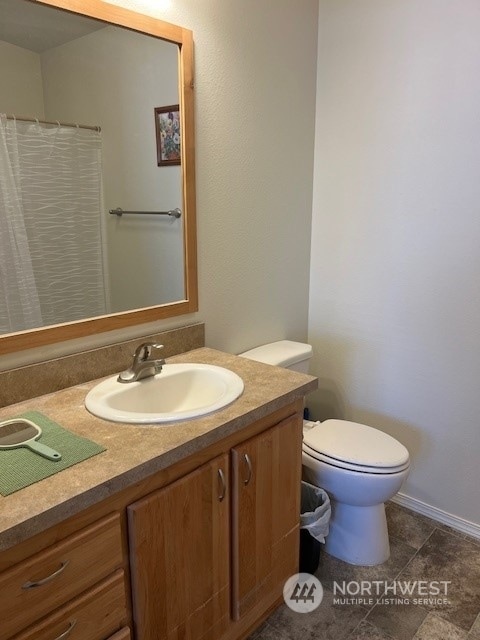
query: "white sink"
178, 392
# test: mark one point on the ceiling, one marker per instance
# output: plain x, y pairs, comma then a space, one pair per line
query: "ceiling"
38, 28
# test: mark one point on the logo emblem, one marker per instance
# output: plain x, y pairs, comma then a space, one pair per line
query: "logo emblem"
303, 592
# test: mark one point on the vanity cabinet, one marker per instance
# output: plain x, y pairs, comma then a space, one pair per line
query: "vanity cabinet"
182, 546
179, 557
198, 550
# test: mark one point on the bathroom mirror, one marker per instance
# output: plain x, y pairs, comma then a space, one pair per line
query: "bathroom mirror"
143, 263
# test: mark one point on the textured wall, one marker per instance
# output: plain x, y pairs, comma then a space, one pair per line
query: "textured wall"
395, 296
21, 81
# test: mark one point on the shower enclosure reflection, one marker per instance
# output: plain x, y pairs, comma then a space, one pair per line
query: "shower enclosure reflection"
72, 259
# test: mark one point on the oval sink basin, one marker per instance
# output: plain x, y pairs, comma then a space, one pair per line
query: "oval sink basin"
178, 392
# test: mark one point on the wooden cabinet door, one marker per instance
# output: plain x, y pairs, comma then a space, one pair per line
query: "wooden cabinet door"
179, 555
266, 477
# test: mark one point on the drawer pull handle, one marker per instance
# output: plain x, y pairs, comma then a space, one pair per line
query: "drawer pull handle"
223, 485
39, 583
249, 469
66, 633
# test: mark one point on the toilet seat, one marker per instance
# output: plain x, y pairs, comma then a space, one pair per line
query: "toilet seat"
352, 467
355, 447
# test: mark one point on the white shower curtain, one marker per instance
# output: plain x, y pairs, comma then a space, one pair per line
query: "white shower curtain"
19, 304
51, 265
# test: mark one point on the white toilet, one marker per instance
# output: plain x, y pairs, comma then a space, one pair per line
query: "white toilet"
358, 466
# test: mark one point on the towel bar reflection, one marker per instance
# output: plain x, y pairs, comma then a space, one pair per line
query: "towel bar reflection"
173, 213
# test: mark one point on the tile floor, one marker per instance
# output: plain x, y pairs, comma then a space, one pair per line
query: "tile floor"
421, 549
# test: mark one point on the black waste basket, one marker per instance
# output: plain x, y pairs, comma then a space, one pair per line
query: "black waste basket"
314, 521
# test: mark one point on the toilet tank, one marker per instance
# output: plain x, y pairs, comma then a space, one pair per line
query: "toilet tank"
284, 353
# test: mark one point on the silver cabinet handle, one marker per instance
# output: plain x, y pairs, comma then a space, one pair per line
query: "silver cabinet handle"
39, 583
249, 468
223, 485
66, 633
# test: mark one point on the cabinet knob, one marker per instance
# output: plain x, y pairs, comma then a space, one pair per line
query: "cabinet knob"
248, 462
223, 485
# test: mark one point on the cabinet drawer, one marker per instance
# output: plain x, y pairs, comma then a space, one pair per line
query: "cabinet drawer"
94, 615
38, 585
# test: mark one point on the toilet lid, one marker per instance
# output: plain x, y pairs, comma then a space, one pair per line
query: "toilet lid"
356, 444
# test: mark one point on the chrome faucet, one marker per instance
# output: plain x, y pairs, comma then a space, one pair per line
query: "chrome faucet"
143, 366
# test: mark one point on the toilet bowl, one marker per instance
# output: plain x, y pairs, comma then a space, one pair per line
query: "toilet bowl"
358, 466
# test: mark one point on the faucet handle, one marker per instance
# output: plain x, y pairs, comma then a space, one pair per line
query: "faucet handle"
155, 346
144, 351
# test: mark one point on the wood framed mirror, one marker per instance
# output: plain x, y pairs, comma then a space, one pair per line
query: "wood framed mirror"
127, 313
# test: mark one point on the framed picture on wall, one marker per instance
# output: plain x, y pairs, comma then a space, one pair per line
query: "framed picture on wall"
167, 129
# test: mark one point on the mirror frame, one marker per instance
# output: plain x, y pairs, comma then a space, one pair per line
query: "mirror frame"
98, 9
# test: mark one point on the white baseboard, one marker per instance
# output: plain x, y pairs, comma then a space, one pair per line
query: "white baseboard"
465, 526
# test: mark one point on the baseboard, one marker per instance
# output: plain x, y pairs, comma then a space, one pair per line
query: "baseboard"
464, 526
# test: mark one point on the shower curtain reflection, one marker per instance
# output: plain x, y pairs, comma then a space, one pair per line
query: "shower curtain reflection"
19, 304
51, 262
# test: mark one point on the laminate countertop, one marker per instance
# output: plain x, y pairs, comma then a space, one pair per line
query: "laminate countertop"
134, 452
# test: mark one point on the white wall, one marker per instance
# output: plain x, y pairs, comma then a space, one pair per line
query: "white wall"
115, 78
394, 284
20, 81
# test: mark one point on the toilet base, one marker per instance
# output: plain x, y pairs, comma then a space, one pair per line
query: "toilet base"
358, 535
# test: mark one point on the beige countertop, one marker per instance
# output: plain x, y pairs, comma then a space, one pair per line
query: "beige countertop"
135, 452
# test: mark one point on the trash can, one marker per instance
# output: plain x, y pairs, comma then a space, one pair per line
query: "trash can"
314, 521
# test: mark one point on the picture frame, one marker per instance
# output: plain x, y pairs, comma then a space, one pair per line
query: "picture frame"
168, 135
